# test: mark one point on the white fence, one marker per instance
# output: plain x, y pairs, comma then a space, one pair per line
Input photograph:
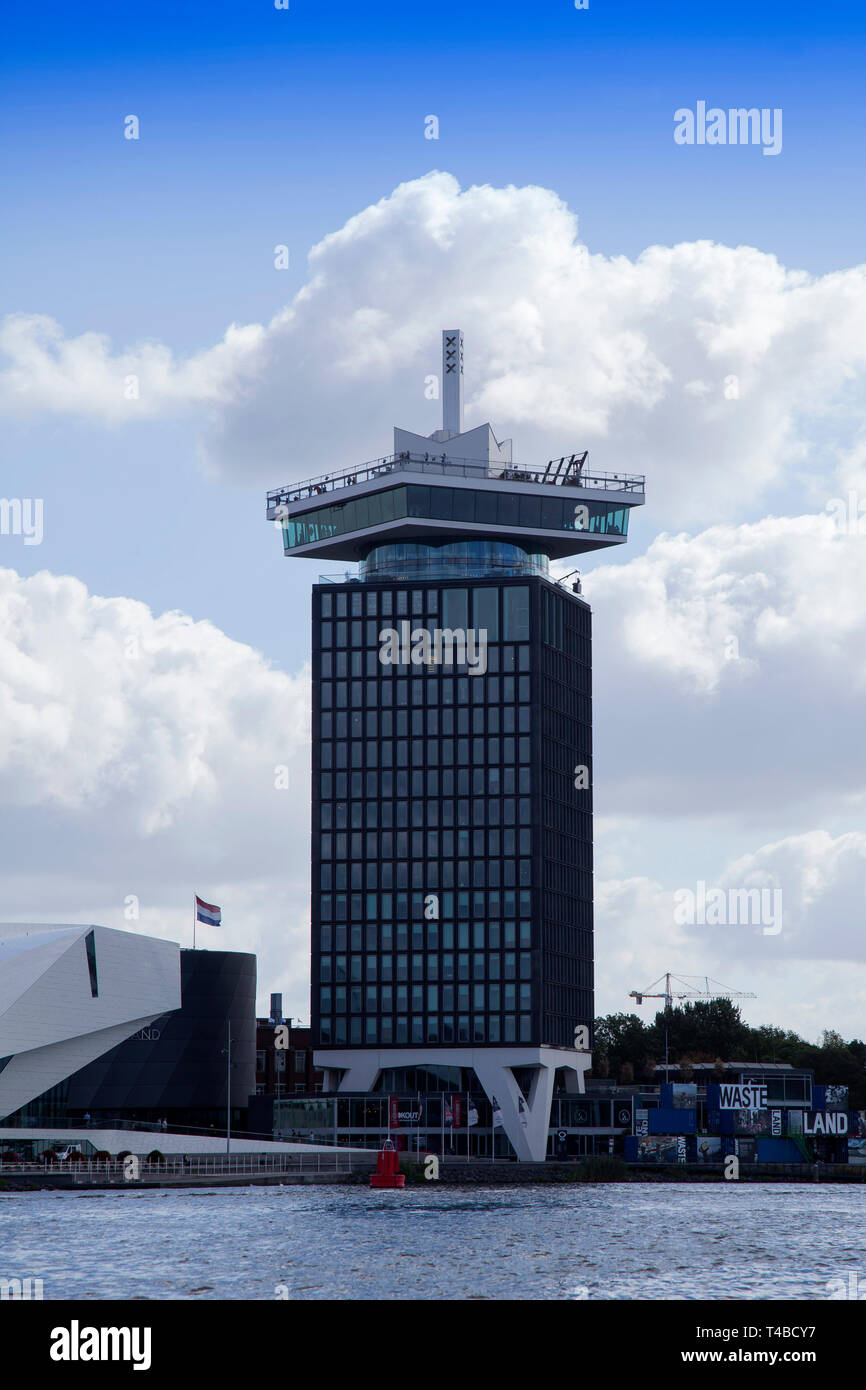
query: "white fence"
198, 1165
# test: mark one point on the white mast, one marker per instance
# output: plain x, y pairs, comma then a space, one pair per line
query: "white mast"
452, 380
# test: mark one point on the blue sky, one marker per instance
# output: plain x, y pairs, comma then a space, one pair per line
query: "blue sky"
262, 127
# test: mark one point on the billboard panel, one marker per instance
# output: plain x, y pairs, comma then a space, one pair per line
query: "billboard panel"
657, 1149
752, 1122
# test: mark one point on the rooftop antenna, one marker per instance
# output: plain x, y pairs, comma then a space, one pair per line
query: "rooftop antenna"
452, 380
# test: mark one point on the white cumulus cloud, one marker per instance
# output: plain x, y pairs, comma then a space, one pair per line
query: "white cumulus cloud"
144, 758
716, 370
731, 672
813, 907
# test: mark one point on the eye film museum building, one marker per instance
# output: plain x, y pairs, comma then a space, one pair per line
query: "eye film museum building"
452, 875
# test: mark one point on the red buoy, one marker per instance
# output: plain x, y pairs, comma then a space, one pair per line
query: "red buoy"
387, 1168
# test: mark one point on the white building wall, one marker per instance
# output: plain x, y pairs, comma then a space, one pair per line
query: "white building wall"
51, 1024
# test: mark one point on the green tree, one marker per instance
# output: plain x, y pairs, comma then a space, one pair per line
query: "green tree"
712, 1030
703, 1029
620, 1038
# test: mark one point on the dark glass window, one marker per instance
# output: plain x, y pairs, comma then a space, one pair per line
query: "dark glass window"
485, 604
515, 613
455, 608
90, 948
530, 511
444, 503
463, 505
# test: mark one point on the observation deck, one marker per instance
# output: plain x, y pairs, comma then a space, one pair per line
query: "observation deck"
453, 490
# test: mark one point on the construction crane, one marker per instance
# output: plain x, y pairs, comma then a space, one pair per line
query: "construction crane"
689, 988
686, 987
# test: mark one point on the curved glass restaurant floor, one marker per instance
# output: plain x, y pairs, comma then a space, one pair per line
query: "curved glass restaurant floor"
458, 559
455, 504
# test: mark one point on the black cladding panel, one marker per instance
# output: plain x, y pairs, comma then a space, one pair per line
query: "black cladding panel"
451, 825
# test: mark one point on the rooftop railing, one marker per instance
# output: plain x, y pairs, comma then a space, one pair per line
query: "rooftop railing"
563, 472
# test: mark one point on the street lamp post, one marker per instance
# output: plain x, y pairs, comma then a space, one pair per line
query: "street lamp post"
229, 1088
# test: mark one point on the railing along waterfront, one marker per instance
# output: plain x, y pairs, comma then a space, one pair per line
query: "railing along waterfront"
196, 1165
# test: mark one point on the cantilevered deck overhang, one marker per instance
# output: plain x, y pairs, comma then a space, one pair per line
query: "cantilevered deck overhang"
558, 510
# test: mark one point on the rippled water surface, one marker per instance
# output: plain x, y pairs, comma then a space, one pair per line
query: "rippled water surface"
630, 1240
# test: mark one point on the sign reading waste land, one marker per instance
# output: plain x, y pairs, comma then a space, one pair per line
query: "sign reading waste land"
742, 1097
825, 1122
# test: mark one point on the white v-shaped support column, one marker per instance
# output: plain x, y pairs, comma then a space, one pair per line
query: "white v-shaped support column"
527, 1128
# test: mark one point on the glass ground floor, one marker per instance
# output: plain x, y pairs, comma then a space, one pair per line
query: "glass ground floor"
461, 1124
453, 1124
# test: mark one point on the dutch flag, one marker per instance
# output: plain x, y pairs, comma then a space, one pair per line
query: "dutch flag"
207, 913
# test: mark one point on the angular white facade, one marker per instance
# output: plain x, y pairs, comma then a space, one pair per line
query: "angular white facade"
70, 993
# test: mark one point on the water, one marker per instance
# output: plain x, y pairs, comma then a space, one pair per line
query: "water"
631, 1240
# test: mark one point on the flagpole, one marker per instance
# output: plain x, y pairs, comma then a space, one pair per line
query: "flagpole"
229, 1087
193, 921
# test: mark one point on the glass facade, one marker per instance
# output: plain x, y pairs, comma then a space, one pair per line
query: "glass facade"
451, 849
456, 559
483, 508
90, 950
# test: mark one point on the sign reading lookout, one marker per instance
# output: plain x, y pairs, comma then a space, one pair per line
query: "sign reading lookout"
441, 647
